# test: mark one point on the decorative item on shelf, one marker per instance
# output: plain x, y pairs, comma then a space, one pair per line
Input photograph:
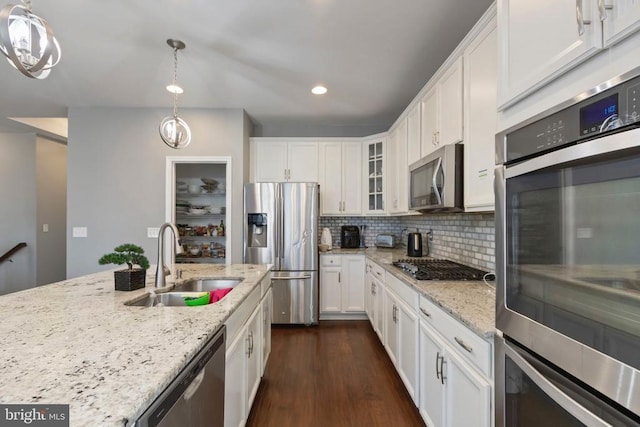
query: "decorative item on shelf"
210, 185
221, 228
131, 278
173, 130
27, 41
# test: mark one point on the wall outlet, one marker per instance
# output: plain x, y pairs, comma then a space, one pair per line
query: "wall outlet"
45, 228
79, 231
152, 232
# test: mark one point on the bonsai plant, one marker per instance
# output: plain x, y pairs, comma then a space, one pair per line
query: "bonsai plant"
130, 278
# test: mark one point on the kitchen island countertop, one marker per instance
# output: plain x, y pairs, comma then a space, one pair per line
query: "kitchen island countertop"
76, 342
471, 302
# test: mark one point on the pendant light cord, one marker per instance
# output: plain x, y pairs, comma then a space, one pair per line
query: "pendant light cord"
175, 79
27, 4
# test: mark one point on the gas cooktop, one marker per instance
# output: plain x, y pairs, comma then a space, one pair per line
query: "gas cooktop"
439, 269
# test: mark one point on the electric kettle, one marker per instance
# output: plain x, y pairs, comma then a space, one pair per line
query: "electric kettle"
325, 238
414, 244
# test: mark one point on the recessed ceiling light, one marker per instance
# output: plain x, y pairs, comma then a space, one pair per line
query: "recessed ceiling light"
174, 88
319, 90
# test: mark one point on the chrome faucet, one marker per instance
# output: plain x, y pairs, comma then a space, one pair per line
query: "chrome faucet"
162, 270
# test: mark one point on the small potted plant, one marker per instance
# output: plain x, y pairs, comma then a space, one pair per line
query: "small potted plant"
131, 278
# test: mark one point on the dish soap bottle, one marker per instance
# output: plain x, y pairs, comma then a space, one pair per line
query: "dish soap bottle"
221, 228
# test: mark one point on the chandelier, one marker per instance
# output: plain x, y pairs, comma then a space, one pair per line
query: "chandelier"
27, 41
173, 130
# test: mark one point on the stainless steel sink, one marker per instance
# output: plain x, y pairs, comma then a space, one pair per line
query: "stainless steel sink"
169, 299
205, 285
176, 297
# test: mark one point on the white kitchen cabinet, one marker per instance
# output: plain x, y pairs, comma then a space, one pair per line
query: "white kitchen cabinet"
340, 178
441, 122
374, 176
413, 134
621, 19
431, 400
401, 339
455, 371
391, 325
253, 355
369, 289
538, 41
452, 393
377, 277
398, 169
244, 355
267, 308
342, 282
243, 371
235, 386
280, 161
480, 120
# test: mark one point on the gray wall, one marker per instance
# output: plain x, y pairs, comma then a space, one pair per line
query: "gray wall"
51, 178
116, 176
17, 210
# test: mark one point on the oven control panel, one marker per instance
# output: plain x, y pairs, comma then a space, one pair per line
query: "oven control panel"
605, 112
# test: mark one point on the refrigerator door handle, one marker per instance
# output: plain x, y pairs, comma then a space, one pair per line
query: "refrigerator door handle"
278, 230
291, 278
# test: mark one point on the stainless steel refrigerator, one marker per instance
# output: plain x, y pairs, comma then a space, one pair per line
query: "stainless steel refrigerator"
281, 228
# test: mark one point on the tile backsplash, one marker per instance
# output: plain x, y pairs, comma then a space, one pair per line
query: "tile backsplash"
465, 238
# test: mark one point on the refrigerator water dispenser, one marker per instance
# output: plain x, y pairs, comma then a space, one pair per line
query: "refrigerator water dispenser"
257, 230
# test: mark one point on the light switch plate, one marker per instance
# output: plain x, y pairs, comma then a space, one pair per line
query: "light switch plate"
45, 228
79, 231
152, 232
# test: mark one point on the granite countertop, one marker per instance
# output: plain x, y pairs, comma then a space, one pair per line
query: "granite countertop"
472, 303
75, 342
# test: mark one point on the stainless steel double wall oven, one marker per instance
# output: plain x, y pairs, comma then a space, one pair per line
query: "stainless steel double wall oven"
568, 262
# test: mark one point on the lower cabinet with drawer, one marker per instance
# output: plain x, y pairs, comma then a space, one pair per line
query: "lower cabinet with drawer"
455, 372
342, 281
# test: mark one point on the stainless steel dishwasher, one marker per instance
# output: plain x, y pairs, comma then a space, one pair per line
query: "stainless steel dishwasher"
196, 397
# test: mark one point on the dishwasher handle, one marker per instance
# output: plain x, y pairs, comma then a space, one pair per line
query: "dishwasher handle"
194, 386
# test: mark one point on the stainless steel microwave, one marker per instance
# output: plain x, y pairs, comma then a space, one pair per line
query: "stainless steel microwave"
435, 181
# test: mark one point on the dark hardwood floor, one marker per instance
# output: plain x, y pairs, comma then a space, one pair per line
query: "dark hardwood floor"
335, 374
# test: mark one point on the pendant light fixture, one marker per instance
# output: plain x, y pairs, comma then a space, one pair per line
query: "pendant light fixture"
27, 41
173, 130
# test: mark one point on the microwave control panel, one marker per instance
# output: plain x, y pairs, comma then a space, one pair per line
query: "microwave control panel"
605, 112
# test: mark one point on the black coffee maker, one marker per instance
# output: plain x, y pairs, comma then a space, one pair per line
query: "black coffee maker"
349, 236
414, 244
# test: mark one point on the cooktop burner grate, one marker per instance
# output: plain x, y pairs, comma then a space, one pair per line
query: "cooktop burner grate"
439, 269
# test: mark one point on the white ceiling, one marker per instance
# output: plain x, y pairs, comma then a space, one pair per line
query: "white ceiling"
261, 55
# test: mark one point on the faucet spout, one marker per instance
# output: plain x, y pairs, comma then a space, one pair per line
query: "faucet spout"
162, 270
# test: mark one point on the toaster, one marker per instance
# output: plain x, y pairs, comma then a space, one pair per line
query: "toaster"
385, 241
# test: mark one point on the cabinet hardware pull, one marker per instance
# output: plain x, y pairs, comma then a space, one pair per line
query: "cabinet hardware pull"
425, 312
248, 347
339, 280
437, 363
580, 18
464, 345
442, 368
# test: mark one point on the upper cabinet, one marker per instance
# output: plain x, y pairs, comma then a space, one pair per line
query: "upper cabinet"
340, 178
413, 134
375, 180
620, 19
398, 169
280, 161
442, 110
480, 119
541, 40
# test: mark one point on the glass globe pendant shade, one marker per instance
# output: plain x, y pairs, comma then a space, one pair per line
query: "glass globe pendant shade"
27, 41
175, 132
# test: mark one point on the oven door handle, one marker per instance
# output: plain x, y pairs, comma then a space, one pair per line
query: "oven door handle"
434, 182
567, 403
